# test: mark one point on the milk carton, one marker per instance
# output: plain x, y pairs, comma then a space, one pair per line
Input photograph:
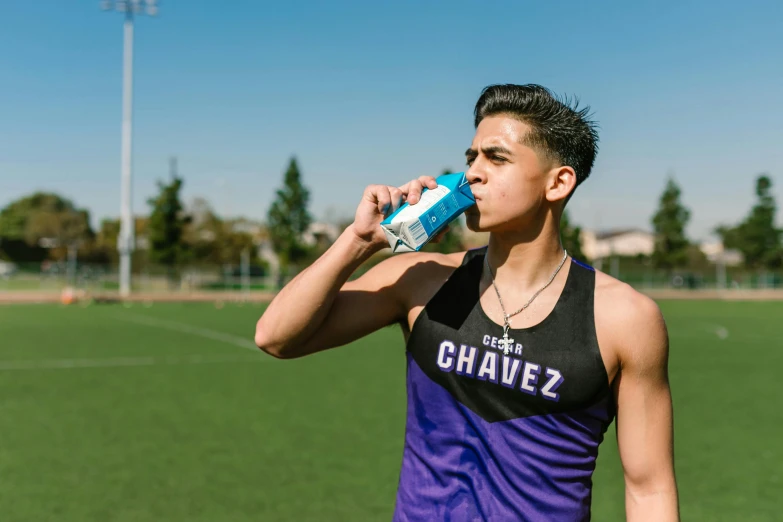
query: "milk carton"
413, 226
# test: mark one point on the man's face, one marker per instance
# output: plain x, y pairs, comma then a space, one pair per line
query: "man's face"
508, 178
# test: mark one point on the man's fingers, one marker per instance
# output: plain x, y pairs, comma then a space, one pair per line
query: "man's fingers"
384, 199
414, 192
387, 198
397, 198
370, 193
428, 181
413, 189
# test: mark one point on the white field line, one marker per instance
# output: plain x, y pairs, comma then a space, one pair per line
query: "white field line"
113, 362
109, 362
176, 326
721, 331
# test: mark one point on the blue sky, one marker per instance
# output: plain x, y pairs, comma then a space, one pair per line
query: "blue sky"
380, 92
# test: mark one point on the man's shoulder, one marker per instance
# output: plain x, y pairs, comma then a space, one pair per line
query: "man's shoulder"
632, 319
423, 264
417, 276
622, 300
411, 270
417, 269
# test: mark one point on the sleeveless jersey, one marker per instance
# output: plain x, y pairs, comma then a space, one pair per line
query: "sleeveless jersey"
502, 437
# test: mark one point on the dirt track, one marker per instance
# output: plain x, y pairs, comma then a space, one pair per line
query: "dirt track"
717, 295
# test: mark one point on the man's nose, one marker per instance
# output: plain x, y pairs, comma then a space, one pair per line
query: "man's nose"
475, 174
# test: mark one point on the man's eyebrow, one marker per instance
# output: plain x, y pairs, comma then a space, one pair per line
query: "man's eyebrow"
495, 150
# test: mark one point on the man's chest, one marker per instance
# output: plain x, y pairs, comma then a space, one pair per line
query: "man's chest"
518, 374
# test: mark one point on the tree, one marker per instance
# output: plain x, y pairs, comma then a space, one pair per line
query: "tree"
107, 236
757, 237
452, 240
288, 219
671, 244
215, 241
166, 225
203, 233
46, 219
61, 228
233, 241
571, 237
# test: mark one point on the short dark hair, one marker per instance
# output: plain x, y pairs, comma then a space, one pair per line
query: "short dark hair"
564, 133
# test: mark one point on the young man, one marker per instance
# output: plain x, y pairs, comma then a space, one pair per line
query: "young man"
519, 357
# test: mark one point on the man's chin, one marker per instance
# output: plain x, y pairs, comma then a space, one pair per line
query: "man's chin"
473, 222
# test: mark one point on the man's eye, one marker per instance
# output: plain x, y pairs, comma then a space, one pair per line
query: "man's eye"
470, 161
498, 159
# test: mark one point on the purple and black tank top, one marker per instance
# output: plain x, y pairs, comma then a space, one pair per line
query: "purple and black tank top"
491, 436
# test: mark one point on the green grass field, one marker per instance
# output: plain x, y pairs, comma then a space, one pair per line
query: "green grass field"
168, 413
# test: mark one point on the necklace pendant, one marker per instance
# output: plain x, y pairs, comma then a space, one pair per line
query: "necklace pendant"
506, 343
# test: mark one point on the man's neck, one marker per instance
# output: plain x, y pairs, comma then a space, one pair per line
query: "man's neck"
524, 263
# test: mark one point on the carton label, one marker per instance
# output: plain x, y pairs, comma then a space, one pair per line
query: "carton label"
412, 226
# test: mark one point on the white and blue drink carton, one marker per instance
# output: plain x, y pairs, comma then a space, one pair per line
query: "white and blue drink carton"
411, 227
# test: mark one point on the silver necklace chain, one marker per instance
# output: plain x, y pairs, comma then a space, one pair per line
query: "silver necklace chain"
506, 316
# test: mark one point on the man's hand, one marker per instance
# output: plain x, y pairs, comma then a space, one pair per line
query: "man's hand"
380, 201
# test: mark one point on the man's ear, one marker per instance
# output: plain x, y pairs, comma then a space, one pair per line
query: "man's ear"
561, 182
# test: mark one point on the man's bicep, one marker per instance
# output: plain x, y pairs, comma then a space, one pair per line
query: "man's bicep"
644, 406
365, 305
644, 429
357, 313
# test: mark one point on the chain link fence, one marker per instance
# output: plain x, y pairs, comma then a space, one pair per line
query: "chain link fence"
104, 278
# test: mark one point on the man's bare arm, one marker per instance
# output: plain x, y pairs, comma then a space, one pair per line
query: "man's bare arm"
644, 410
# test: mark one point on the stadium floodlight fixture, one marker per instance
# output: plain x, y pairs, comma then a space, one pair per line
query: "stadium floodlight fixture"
149, 7
125, 241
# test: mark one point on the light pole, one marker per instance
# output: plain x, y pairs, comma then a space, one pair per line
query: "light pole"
125, 241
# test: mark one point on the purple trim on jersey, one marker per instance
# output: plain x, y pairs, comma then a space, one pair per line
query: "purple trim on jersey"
458, 467
582, 265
